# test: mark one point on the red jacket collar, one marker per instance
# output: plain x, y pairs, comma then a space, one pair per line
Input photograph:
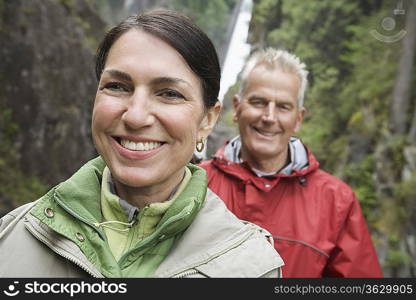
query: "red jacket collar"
244, 172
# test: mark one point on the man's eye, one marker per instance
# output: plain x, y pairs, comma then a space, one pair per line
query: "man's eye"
258, 103
285, 107
170, 94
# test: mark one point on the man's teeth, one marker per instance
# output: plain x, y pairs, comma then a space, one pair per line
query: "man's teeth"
139, 146
266, 133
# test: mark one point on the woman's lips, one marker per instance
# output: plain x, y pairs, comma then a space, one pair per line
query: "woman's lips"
139, 146
137, 150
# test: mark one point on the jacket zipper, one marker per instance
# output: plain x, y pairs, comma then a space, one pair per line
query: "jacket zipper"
187, 274
72, 259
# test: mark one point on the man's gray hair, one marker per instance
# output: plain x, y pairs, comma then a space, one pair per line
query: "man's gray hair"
278, 59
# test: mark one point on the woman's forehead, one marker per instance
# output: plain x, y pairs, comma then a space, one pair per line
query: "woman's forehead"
139, 51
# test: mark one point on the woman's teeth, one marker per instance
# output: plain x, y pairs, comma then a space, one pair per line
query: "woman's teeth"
141, 146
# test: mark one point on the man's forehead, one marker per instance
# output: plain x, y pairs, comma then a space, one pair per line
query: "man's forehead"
271, 84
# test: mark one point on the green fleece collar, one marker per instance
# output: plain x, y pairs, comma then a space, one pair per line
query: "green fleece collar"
122, 237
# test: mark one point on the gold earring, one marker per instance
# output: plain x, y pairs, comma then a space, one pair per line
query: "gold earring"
200, 145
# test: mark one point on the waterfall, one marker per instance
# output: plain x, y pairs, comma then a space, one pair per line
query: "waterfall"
238, 48
237, 51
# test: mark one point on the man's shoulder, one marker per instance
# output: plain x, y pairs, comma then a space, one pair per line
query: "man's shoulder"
213, 165
327, 178
206, 163
328, 184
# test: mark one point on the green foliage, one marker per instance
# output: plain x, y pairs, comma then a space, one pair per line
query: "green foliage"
2, 10
405, 200
212, 16
395, 153
68, 4
360, 177
397, 258
15, 188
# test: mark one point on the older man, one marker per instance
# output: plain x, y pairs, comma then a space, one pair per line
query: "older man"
268, 177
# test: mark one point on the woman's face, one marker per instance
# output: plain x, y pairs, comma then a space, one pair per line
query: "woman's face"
148, 112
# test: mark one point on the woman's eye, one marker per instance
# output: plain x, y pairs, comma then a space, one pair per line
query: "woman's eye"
115, 87
170, 94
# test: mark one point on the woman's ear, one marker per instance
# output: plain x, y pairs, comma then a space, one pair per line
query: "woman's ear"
209, 120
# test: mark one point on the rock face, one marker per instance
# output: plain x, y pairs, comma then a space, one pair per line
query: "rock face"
47, 79
48, 85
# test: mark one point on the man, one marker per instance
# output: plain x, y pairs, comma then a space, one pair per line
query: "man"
270, 178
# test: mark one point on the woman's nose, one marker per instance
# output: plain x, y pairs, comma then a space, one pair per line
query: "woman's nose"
139, 111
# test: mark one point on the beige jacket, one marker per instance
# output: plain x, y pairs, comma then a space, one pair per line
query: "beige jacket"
216, 244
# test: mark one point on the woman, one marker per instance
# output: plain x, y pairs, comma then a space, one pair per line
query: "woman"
140, 210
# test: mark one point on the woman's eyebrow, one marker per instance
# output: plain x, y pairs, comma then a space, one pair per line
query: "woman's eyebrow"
169, 80
119, 75
160, 80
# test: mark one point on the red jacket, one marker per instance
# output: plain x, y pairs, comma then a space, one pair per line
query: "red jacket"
315, 218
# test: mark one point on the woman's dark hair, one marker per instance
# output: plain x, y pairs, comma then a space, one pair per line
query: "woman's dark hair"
183, 35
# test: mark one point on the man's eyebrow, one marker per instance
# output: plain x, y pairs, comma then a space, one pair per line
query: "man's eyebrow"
257, 97
169, 80
119, 75
262, 98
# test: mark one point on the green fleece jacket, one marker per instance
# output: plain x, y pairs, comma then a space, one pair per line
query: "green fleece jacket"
73, 209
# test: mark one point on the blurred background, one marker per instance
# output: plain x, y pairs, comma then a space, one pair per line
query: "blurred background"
361, 102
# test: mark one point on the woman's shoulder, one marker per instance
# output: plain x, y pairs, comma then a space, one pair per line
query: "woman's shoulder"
9, 221
230, 247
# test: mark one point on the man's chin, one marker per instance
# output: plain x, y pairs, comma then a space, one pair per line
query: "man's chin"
267, 152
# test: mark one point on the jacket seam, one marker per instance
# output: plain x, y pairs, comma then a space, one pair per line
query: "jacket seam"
302, 243
66, 250
17, 218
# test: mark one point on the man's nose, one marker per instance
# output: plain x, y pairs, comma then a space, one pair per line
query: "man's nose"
269, 113
139, 110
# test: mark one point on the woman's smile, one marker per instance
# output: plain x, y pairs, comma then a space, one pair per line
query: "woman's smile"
148, 112
140, 146
137, 150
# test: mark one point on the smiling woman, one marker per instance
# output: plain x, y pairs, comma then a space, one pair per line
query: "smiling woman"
141, 209
146, 124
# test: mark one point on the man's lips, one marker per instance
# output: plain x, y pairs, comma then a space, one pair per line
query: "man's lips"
266, 132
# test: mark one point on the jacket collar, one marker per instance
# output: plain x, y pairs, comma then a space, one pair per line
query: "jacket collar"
225, 160
298, 156
81, 193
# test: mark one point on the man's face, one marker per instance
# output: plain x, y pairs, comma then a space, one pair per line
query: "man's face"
268, 114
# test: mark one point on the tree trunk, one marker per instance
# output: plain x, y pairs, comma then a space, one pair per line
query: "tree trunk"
411, 138
402, 89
